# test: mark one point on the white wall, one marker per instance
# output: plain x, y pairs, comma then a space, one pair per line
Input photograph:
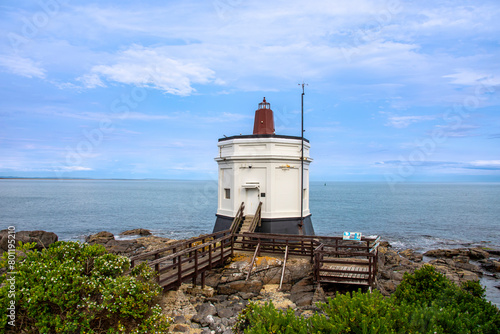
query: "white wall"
271, 163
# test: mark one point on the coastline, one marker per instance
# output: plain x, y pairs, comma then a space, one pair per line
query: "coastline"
216, 306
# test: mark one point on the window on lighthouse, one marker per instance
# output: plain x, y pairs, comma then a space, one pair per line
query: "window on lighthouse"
227, 193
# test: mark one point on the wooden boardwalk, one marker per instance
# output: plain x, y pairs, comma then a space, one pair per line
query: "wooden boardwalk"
334, 259
189, 259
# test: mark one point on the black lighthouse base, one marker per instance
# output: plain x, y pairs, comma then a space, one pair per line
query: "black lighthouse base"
276, 225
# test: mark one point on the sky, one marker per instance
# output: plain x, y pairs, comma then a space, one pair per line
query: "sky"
397, 91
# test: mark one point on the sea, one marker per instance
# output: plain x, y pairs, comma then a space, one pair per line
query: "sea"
420, 216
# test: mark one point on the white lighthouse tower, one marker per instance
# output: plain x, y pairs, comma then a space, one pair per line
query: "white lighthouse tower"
264, 168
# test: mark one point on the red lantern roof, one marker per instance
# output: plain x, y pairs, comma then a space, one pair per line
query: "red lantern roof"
264, 119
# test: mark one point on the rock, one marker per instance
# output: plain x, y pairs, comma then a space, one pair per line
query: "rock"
252, 286
411, 255
100, 238
246, 295
478, 253
388, 286
179, 319
180, 328
42, 239
302, 298
492, 251
205, 314
176, 303
438, 253
225, 312
304, 285
473, 253
273, 276
461, 259
390, 258
123, 247
319, 296
491, 265
152, 243
298, 268
385, 244
137, 231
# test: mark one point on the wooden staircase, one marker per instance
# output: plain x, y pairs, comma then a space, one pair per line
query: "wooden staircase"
247, 224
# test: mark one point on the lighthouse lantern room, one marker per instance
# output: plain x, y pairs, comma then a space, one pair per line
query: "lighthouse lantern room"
264, 168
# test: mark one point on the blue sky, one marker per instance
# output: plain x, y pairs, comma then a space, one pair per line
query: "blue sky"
397, 91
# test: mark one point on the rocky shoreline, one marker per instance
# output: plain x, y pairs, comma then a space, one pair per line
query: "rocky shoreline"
214, 309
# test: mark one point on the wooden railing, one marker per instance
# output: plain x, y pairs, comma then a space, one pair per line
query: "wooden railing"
276, 243
189, 259
350, 262
335, 260
256, 218
238, 219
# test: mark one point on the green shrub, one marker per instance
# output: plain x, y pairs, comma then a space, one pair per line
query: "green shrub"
78, 288
454, 309
424, 302
261, 319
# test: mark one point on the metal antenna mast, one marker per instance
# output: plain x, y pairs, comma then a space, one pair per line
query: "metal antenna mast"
302, 162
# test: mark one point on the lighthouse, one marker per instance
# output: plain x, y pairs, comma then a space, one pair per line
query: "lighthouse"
264, 172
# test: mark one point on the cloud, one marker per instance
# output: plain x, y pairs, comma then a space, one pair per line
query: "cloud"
478, 164
470, 78
74, 168
22, 66
91, 80
147, 67
458, 131
485, 164
404, 121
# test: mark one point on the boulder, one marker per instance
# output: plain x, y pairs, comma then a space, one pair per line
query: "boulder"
473, 253
302, 293
491, 265
205, 314
411, 255
42, 239
440, 253
137, 231
253, 286
478, 253
152, 243
387, 286
100, 238
123, 247
385, 244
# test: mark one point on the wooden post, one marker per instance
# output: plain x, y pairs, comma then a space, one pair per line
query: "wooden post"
210, 256
253, 260
179, 271
284, 266
157, 268
312, 251
221, 252
195, 267
232, 246
190, 245
203, 280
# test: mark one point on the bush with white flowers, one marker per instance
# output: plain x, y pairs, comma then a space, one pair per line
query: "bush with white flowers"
73, 287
